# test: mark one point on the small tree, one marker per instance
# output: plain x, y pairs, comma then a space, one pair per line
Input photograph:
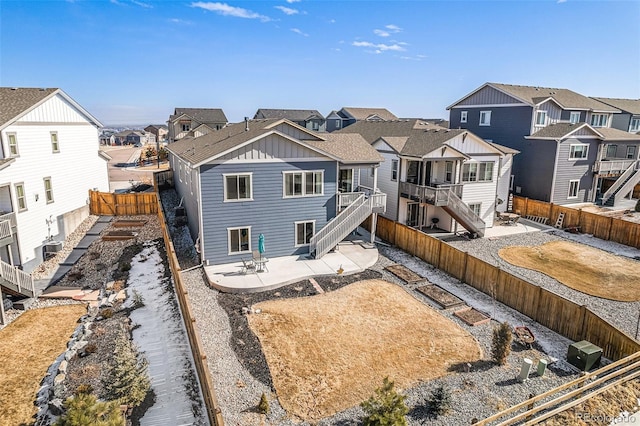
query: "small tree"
263, 406
501, 343
386, 407
440, 401
127, 381
84, 409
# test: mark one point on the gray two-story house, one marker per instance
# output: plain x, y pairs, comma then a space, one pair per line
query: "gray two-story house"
628, 119
562, 137
308, 118
195, 122
275, 178
346, 116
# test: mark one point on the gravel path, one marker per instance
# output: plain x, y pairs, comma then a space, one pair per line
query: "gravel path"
623, 315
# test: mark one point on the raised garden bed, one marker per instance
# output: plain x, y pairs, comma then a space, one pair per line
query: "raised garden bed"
405, 274
119, 235
471, 316
440, 296
128, 223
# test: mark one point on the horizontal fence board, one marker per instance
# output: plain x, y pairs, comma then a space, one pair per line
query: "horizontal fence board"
106, 203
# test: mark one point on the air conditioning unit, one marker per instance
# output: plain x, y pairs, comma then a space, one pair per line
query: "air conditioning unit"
53, 247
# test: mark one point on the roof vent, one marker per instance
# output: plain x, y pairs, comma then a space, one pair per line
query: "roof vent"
246, 124
14, 88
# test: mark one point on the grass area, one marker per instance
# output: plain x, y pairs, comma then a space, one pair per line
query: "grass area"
330, 352
580, 267
28, 346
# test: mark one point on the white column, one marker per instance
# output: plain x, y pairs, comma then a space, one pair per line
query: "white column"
3, 320
374, 222
375, 178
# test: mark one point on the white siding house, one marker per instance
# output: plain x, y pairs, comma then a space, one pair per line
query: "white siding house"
49, 160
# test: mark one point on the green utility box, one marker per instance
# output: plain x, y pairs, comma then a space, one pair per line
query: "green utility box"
584, 355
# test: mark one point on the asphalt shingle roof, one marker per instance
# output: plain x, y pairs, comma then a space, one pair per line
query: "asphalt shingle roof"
565, 97
202, 115
557, 130
611, 134
289, 114
373, 130
364, 113
346, 147
15, 101
629, 105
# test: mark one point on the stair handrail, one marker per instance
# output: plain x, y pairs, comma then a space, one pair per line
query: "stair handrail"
465, 211
320, 238
628, 185
15, 276
5, 228
620, 181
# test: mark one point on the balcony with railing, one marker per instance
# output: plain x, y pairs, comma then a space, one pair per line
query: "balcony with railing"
7, 228
377, 199
613, 166
435, 195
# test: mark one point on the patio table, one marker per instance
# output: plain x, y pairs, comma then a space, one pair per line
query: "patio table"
261, 263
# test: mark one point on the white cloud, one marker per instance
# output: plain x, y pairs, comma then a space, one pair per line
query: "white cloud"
139, 3
116, 2
393, 28
562, 1
180, 21
226, 10
332, 21
287, 10
381, 33
292, 1
379, 47
299, 31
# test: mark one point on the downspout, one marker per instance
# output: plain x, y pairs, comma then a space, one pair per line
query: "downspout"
201, 229
555, 170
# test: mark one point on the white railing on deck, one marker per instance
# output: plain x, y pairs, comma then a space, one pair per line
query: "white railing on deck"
466, 215
621, 180
613, 165
17, 277
5, 229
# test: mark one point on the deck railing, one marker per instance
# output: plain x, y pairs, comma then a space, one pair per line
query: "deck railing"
617, 185
612, 166
438, 196
20, 279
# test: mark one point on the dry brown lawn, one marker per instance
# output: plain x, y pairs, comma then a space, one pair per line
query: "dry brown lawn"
330, 352
28, 346
580, 267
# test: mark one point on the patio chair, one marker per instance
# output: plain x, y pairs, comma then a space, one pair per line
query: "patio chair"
248, 266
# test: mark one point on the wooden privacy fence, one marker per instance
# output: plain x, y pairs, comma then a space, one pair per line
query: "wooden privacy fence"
199, 356
136, 203
603, 227
561, 315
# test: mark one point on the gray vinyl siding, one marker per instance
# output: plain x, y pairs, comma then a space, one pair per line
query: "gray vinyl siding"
184, 188
621, 121
489, 96
385, 184
568, 169
268, 213
271, 147
535, 169
295, 133
621, 149
554, 112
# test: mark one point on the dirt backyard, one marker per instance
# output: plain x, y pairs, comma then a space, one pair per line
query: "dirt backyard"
27, 347
583, 268
326, 351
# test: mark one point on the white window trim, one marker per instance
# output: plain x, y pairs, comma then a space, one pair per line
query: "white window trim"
24, 197
573, 114
487, 114
606, 122
15, 138
295, 232
236, 228
544, 122
57, 142
477, 179
397, 168
304, 183
635, 128
463, 116
569, 196
479, 204
44, 181
635, 149
586, 152
224, 189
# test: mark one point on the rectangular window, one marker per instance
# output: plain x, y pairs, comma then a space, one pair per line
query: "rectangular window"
631, 152
315, 125
238, 187
186, 126
55, 147
599, 120
634, 126
13, 145
338, 124
303, 184
477, 172
476, 208
48, 190
463, 116
574, 117
541, 118
573, 188
448, 171
578, 151
21, 197
485, 118
394, 170
304, 231
239, 240
612, 151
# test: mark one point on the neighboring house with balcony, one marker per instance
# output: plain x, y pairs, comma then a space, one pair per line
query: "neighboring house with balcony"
438, 176
628, 119
160, 131
49, 160
194, 122
337, 120
275, 178
542, 124
307, 118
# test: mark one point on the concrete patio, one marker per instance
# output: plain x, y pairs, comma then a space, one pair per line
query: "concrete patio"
352, 256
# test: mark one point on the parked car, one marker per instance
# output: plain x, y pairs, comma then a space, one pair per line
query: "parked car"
138, 145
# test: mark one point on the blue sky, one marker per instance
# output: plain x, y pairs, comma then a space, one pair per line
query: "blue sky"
134, 61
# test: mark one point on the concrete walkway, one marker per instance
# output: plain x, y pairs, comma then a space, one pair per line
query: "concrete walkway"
350, 257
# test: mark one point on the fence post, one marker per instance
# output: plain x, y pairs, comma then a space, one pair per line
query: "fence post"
526, 206
551, 206
610, 228
583, 315
464, 270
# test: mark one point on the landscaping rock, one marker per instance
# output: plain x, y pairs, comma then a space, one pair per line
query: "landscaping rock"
56, 407
59, 379
62, 368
